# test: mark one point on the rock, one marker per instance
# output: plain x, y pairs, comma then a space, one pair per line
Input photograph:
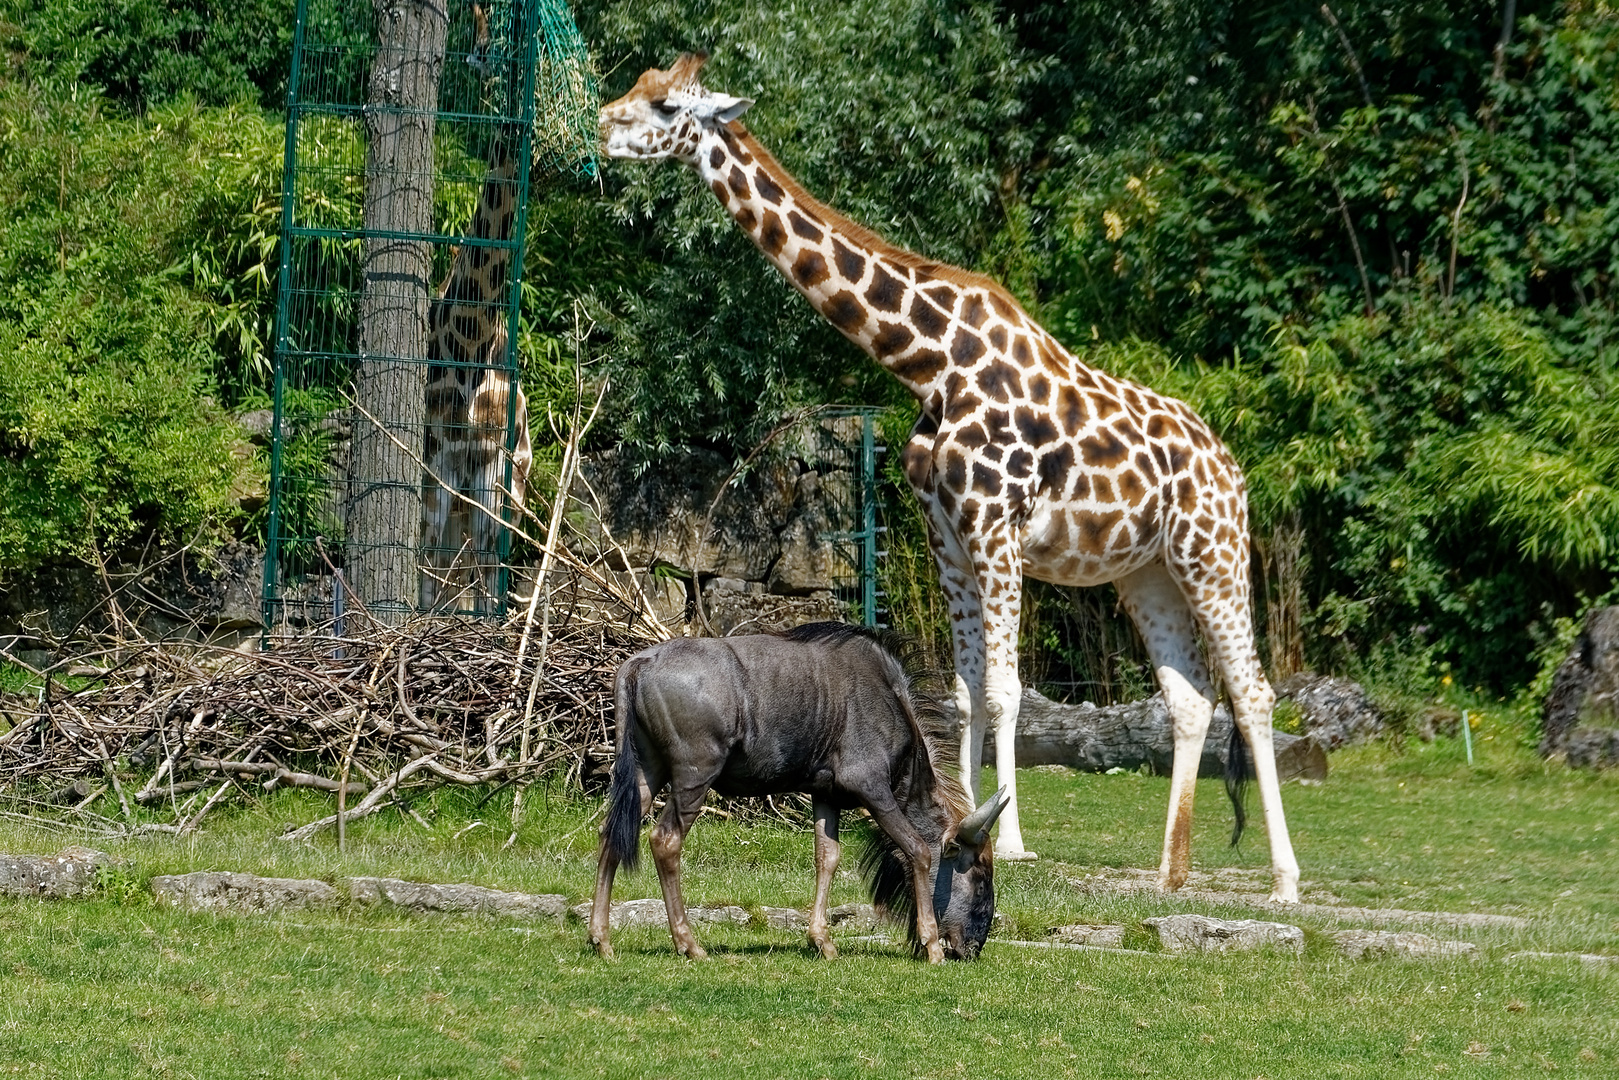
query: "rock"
73, 871
654, 514
860, 917
651, 912
1580, 718
807, 562
1596, 960
1335, 712
257, 425
752, 610
218, 891
1199, 933
763, 558
458, 899
1404, 945
785, 918
215, 597
1108, 937
1096, 738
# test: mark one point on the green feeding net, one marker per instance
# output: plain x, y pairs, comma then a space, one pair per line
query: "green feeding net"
509, 80
564, 93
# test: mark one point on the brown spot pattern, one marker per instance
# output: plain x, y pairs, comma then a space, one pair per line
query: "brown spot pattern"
809, 269
802, 226
885, 291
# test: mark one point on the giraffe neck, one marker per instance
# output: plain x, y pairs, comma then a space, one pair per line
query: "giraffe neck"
917, 318
470, 317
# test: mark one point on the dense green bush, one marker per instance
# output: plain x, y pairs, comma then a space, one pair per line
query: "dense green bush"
127, 289
143, 53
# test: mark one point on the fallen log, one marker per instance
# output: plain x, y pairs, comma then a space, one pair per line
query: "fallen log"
156, 794
77, 791
288, 778
1096, 738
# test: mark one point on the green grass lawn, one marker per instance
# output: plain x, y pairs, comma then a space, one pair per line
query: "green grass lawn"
118, 987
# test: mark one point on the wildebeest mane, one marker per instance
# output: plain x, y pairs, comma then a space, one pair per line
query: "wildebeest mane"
929, 777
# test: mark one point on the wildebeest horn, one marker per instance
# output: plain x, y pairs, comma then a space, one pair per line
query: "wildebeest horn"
974, 828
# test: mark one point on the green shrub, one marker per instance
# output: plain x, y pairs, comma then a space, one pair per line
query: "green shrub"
122, 305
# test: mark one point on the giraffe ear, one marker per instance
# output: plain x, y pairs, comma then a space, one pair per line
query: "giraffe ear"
708, 105
728, 108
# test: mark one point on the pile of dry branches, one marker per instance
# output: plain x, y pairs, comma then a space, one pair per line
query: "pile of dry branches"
375, 717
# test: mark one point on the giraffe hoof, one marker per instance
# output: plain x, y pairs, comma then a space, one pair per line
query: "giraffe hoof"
1014, 855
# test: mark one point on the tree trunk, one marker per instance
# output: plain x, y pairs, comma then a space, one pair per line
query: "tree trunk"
385, 476
1098, 738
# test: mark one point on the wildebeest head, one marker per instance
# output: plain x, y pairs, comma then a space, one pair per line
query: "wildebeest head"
964, 885
963, 882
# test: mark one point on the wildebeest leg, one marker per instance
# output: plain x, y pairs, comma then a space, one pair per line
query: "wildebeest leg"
668, 836
887, 814
601, 904
827, 851
607, 866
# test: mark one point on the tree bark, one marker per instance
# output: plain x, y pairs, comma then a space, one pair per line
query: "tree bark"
384, 489
1098, 738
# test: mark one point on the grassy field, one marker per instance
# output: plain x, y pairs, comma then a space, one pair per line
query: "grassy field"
117, 987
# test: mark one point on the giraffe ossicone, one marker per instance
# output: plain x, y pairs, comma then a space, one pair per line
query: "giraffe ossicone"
1025, 461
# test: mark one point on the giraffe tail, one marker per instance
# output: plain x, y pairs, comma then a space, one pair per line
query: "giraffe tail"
1237, 774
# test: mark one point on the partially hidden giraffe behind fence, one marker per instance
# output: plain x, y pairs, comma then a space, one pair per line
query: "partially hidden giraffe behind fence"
469, 382
1024, 459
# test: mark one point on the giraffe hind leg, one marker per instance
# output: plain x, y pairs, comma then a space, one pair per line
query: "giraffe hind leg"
1163, 617
1227, 626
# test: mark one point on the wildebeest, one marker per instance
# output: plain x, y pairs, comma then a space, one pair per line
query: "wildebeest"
826, 709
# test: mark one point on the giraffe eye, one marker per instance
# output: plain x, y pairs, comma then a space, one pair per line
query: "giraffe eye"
665, 108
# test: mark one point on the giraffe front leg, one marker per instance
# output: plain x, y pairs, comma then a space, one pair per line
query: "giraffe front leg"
960, 589
998, 568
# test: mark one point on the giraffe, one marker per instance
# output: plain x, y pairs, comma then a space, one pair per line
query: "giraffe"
1025, 461
469, 384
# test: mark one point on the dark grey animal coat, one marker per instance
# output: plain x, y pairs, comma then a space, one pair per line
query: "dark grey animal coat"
826, 709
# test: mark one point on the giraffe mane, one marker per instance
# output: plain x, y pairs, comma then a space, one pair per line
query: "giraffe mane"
863, 236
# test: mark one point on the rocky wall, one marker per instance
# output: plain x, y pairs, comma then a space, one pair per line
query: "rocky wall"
755, 555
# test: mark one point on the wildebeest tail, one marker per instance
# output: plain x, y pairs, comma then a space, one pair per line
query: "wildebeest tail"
622, 835
1236, 780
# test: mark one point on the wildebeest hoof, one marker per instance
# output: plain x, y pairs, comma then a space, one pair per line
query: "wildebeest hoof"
829, 951
694, 951
1015, 855
603, 950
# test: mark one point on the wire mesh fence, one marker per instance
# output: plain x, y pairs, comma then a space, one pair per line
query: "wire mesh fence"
400, 448
845, 444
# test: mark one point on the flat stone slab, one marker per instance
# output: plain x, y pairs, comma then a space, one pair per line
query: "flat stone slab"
73, 871
1107, 937
630, 913
861, 917
422, 897
785, 918
1403, 945
1199, 933
1233, 888
1588, 959
210, 890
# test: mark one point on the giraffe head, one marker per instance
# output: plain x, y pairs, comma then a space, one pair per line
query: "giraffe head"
664, 115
